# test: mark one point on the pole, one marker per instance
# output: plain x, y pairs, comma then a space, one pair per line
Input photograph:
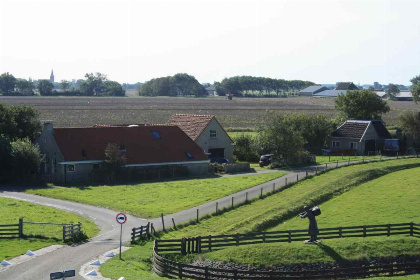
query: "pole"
120, 241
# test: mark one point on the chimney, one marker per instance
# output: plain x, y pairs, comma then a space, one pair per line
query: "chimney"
48, 125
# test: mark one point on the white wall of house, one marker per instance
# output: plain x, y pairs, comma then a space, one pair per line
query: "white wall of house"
221, 140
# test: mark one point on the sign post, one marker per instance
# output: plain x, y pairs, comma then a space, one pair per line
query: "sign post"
121, 219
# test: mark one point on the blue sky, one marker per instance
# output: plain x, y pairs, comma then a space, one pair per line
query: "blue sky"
131, 41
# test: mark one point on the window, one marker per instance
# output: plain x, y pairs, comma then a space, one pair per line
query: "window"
335, 144
213, 134
156, 134
96, 166
189, 155
70, 168
122, 148
353, 145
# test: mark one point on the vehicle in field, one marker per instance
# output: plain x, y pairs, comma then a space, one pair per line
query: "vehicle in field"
265, 160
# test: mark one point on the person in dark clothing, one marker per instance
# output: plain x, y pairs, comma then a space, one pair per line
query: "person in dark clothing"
313, 226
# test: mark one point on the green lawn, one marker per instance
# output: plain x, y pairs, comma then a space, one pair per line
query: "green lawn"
393, 198
247, 133
271, 211
11, 210
152, 199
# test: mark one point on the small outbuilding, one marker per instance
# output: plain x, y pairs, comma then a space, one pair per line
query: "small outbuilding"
361, 137
311, 90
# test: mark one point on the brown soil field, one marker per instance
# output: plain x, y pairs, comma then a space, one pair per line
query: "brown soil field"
239, 113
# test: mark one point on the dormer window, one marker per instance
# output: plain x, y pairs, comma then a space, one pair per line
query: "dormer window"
156, 135
213, 134
189, 155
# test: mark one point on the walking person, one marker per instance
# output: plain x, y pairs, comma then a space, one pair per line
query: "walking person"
313, 226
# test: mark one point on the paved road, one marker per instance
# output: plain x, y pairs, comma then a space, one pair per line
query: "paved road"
73, 257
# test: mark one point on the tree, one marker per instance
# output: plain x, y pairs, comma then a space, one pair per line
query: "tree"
25, 87
7, 83
5, 158
45, 88
410, 123
361, 105
64, 85
18, 122
415, 88
278, 136
26, 159
94, 84
392, 91
245, 148
114, 89
115, 159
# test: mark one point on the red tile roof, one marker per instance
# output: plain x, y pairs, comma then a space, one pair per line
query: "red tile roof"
192, 125
78, 144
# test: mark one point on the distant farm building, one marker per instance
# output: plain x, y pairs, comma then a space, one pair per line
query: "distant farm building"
207, 132
361, 137
311, 90
211, 91
341, 88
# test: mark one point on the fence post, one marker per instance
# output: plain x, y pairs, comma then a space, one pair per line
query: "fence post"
285, 184
364, 231
232, 201
290, 236
297, 177
148, 230
237, 239
183, 246
411, 229
261, 194
389, 230
198, 214
64, 233
133, 235
337, 164
217, 207
20, 227
306, 174
180, 270
206, 272
235, 274
173, 221
163, 222
210, 243
141, 232
316, 170
246, 197
340, 232
274, 187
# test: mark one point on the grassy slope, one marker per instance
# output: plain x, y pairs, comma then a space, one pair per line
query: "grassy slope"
332, 159
392, 198
11, 210
136, 263
152, 199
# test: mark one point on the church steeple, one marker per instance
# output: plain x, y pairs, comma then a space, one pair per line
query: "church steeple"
52, 76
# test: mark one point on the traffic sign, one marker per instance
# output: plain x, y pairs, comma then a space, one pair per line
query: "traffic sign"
121, 218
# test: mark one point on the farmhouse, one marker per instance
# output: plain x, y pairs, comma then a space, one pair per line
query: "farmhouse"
341, 88
72, 154
207, 132
359, 136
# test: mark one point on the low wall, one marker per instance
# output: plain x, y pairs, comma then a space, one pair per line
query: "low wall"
236, 167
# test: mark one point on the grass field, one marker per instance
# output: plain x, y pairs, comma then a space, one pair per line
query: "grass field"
11, 210
234, 134
232, 114
332, 159
152, 199
265, 214
392, 198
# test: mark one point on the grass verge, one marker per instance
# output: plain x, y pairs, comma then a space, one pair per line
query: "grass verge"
152, 199
137, 261
36, 236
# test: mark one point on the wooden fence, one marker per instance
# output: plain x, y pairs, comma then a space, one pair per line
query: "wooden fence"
71, 230
142, 232
169, 268
166, 267
208, 243
12, 230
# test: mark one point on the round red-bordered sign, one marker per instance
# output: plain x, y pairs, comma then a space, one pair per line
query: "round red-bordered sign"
121, 218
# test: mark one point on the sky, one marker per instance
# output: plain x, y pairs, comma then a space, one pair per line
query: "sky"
135, 41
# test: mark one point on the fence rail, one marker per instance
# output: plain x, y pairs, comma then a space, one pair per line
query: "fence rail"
167, 267
208, 243
71, 230
8, 231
